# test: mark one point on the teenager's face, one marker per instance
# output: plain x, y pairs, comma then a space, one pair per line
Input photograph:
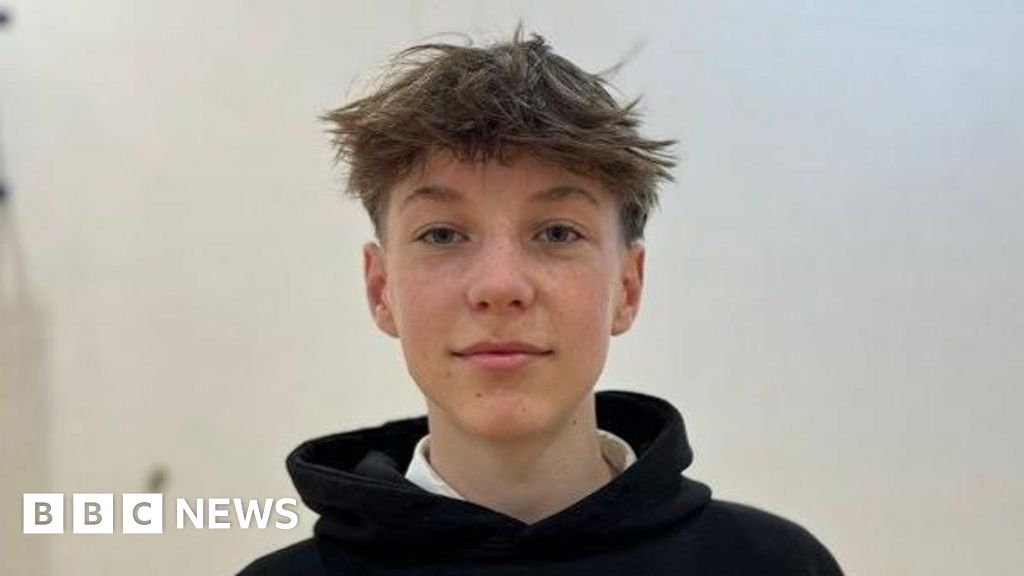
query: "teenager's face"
504, 285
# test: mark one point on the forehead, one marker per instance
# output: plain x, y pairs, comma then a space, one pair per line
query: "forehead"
527, 178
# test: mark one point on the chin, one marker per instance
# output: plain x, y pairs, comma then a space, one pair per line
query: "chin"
506, 415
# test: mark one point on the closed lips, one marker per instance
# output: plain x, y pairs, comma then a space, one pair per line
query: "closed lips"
501, 348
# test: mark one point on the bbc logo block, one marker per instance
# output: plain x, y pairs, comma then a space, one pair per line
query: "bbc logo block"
43, 514
93, 513
142, 513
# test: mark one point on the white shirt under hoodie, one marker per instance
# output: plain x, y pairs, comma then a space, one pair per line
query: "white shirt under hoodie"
616, 451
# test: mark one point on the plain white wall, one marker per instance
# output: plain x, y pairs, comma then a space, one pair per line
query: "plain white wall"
834, 296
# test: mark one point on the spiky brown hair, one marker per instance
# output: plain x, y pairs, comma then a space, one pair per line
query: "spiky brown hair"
490, 102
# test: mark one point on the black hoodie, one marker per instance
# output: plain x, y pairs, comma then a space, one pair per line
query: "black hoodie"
650, 520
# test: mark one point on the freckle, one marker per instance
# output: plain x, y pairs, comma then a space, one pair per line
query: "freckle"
573, 421
479, 395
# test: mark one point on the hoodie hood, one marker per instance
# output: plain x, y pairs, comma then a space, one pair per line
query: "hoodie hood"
356, 482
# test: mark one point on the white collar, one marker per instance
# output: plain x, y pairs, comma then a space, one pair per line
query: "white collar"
616, 450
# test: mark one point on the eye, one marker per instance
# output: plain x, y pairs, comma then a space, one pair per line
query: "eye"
560, 234
440, 236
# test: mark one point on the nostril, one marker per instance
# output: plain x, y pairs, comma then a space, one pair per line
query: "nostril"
484, 305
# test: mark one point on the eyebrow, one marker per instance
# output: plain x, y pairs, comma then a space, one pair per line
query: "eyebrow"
431, 192
446, 194
559, 192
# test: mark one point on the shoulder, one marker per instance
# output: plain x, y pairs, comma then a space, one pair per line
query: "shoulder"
299, 559
767, 539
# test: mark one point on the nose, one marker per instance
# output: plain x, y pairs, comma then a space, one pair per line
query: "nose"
499, 278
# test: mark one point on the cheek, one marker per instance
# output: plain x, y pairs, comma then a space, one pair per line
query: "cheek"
423, 303
418, 292
584, 308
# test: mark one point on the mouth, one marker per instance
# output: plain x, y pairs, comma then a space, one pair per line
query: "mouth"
501, 356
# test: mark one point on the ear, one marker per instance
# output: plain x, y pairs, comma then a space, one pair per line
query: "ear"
631, 287
375, 275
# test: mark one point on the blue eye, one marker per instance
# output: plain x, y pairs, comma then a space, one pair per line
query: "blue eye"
440, 236
560, 234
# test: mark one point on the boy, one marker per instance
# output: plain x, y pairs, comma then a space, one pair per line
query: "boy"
509, 194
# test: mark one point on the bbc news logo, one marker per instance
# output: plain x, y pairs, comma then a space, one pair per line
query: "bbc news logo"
144, 513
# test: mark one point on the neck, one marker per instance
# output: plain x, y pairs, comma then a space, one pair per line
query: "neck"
527, 477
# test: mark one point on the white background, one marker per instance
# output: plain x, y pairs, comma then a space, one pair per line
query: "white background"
835, 296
